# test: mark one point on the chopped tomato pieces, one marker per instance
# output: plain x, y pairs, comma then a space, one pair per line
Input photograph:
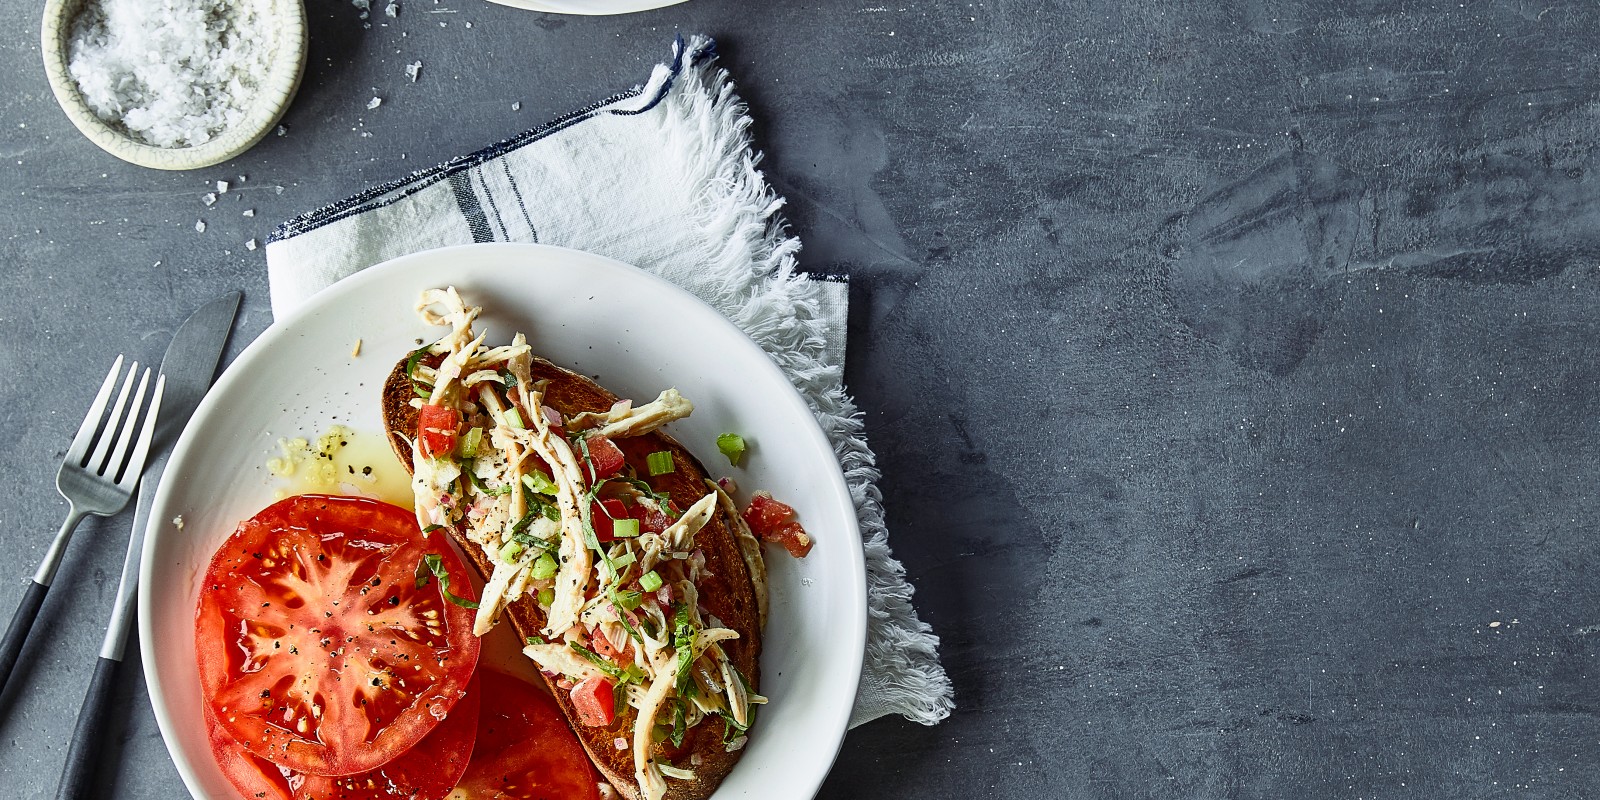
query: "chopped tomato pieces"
604, 455
595, 700
605, 513
602, 645
436, 428
774, 522
651, 520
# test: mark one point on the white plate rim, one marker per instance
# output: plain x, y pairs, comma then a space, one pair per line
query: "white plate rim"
854, 639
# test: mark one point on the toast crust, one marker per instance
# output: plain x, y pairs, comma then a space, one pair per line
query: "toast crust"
727, 592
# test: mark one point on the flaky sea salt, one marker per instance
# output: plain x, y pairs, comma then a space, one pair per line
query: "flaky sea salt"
250, 245
413, 70
171, 73
374, 103
222, 187
199, 226
209, 198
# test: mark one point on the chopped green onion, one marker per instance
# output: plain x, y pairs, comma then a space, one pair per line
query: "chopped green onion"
732, 446
431, 529
543, 567
510, 551
546, 597
650, 581
624, 560
431, 563
628, 599
514, 417
625, 528
535, 640
539, 483
660, 462
467, 447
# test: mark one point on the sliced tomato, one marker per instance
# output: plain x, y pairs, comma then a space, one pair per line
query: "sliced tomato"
605, 513
437, 427
316, 648
604, 455
508, 765
595, 700
428, 771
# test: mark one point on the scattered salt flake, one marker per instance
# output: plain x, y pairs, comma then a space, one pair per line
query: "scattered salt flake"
241, 178
209, 198
374, 103
177, 522
199, 226
249, 212
414, 70
392, 10
362, 4
1494, 624
469, 25
250, 245
283, 130
222, 187
517, 106
157, 264
277, 189
365, 15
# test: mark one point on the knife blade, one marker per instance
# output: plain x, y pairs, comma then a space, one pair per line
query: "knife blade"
190, 364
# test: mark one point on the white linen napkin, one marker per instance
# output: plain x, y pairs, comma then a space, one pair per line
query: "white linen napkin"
662, 177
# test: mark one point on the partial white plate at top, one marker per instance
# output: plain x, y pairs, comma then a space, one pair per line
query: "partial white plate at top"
632, 331
588, 7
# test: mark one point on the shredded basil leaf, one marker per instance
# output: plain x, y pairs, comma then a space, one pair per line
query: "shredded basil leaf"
466, 466
411, 369
683, 635
431, 563
679, 722
535, 640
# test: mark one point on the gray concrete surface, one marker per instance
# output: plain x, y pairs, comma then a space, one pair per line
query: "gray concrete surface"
1232, 366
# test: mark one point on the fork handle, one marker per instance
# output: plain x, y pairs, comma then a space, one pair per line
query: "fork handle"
77, 776
17, 633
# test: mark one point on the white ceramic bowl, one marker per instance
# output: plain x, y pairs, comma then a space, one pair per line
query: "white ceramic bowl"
635, 333
276, 89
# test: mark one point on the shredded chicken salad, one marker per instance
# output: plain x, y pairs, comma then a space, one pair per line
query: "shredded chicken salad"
610, 561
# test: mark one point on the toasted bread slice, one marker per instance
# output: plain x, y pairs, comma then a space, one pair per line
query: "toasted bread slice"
727, 593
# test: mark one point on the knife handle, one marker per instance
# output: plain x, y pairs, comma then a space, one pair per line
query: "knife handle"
17, 633
77, 777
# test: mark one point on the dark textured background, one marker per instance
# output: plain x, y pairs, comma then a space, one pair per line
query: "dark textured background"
1232, 368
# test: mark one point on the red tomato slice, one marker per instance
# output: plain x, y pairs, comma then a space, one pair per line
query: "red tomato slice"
316, 648
437, 427
525, 749
425, 772
604, 455
602, 645
605, 513
595, 700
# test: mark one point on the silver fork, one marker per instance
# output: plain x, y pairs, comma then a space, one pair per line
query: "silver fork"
98, 482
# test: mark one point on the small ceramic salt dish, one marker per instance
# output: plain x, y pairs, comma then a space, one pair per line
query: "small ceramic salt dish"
285, 18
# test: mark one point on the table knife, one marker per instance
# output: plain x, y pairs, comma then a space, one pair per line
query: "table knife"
190, 364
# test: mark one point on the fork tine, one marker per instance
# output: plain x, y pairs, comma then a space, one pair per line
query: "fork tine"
114, 464
91, 421
130, 475
102, 448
